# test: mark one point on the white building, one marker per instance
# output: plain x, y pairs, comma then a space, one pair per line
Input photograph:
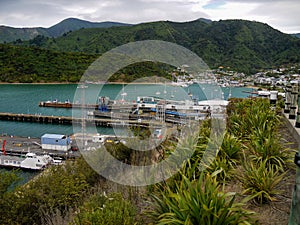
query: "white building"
56, 142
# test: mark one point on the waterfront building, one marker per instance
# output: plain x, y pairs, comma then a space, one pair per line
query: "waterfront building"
56, 142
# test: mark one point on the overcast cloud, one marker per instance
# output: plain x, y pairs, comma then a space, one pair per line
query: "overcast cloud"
282, 15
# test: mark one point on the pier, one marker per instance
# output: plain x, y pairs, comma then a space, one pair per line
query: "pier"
65, 120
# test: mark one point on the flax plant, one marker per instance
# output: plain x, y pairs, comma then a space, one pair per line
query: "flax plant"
260, 180
268, 148
226, 158
198, 202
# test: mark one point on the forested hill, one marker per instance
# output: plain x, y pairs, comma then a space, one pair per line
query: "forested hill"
23, 64
10, 34
20, 64
242, 45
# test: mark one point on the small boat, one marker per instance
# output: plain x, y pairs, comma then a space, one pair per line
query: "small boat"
30, 162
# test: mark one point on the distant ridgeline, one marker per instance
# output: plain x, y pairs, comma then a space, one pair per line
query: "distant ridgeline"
10, 34
240, 45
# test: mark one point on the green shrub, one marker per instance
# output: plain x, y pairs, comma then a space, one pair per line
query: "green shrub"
57, 189
106, 210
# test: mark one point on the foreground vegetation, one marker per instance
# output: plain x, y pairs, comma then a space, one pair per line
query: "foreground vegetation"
251, 156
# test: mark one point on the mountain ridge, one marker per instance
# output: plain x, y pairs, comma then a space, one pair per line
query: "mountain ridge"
245, 46
10, 34
238, 45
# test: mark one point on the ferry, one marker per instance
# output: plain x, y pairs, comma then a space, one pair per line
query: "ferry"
151, 103
30, 162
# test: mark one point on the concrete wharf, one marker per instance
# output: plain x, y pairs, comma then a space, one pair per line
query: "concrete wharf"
19, 146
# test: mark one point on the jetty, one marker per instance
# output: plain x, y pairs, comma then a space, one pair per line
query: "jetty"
65, 120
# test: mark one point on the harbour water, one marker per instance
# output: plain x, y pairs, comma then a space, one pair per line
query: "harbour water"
24, 98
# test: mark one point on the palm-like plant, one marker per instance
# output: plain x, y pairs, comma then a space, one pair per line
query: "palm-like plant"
198, 202
249, 115
226, 157
261, 181
268, 148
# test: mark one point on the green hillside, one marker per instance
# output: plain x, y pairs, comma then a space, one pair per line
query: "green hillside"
241, 45
23, 64
32, 64
10, 34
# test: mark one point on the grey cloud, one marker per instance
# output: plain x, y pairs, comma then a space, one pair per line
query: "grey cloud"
36, 12
20, 13
141, 11
281, 14
262, 1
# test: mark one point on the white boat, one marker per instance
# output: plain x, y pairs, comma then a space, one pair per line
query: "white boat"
179, 84
30, 162
213, 105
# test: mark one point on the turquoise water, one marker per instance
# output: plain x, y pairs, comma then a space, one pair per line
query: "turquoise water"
24, 98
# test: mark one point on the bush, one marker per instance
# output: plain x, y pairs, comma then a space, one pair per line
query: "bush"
106, 210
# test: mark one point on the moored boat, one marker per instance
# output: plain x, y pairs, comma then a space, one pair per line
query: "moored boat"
30, 162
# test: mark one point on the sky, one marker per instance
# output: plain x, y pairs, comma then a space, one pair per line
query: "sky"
280, 14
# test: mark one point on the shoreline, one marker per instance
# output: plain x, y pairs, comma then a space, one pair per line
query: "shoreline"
111, 83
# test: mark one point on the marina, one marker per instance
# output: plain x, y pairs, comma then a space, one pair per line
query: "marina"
22, 116
23, 123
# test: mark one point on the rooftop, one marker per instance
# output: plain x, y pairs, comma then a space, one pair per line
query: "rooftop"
54, 136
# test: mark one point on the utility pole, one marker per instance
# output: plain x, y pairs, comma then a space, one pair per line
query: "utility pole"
288, 98
295, 207
82, 87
